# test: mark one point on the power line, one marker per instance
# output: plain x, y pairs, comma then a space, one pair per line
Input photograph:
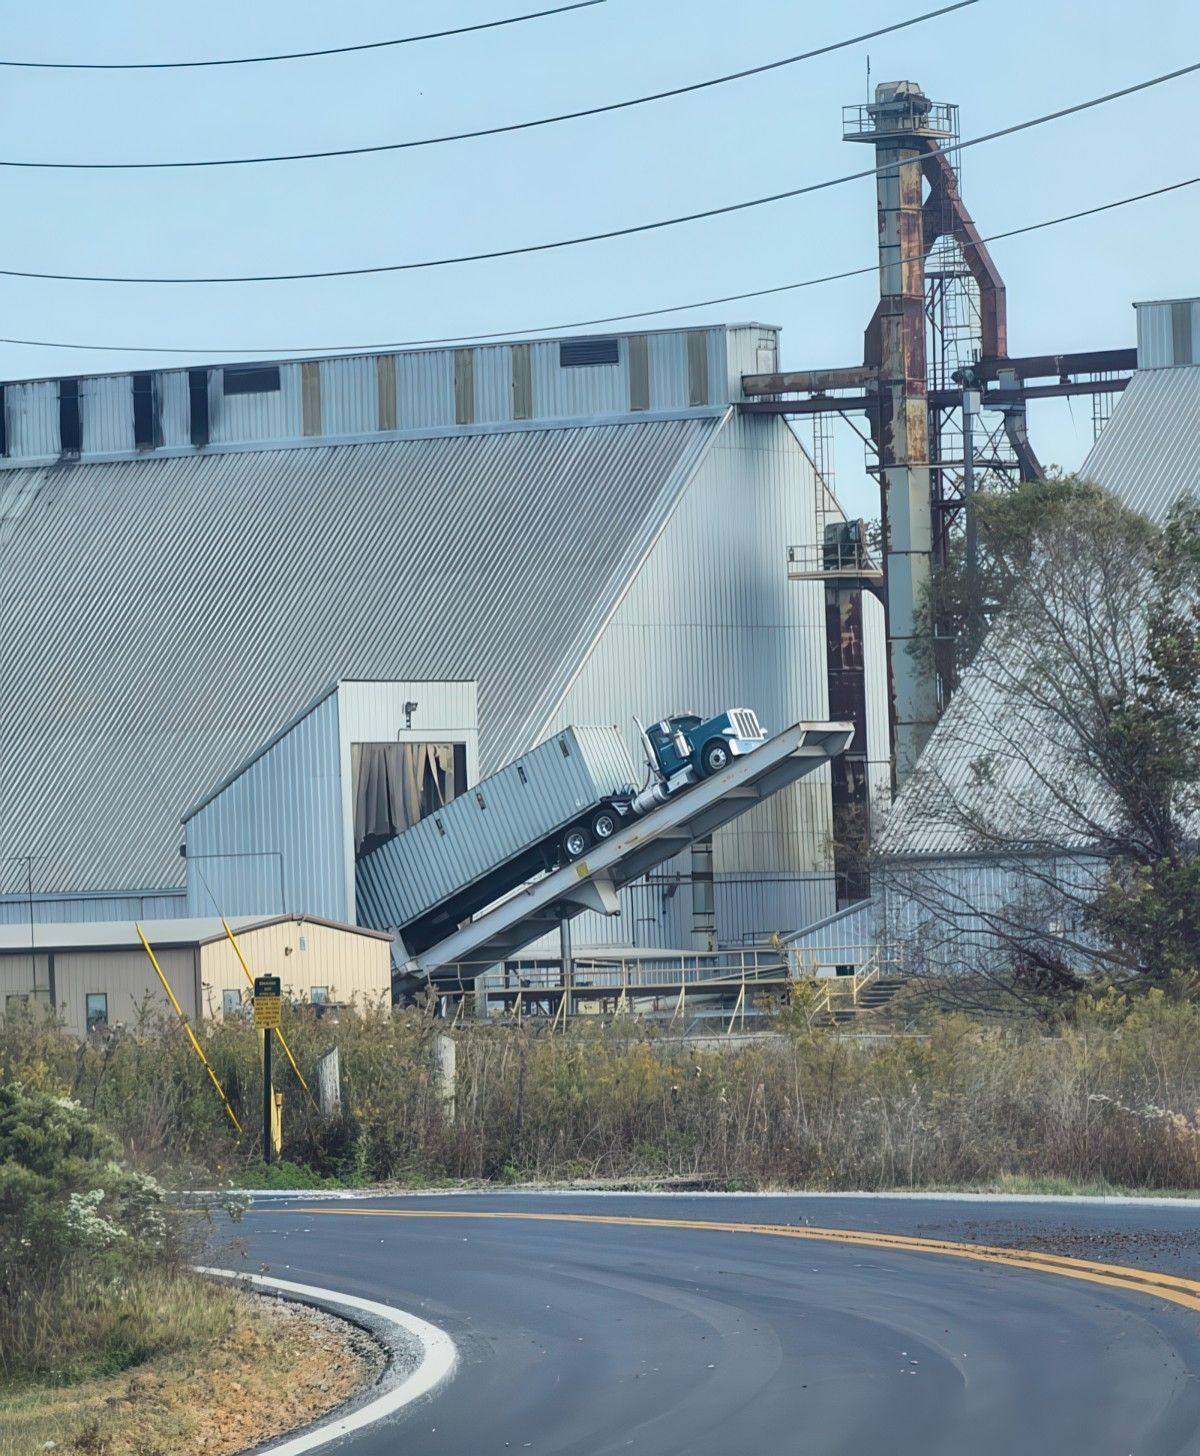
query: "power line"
373, 45
464, 339
487, 131
608, 234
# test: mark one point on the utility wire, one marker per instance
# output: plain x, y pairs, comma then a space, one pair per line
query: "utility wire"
624, 232
466, 339
373, 45
486, 131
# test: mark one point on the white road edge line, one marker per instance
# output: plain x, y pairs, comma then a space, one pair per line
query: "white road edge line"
440, 1358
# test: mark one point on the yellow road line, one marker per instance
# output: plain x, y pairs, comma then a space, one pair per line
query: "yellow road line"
1169, 1287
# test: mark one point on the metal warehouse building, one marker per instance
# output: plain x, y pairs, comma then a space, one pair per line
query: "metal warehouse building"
249, 596
98, 976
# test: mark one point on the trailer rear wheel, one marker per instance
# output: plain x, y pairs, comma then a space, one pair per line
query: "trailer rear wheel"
575, 842
604, 824
715, 756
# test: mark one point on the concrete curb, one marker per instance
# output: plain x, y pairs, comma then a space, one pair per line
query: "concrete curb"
439, 1358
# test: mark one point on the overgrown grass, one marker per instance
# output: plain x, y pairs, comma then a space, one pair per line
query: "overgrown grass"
1109, 1101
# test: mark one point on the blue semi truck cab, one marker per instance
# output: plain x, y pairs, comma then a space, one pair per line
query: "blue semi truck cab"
706, 745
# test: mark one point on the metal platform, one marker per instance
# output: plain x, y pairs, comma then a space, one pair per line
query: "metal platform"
592, 883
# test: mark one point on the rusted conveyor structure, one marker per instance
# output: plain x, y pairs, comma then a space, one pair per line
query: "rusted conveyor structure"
541, 906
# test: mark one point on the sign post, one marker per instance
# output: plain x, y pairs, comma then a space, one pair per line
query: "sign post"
267, 991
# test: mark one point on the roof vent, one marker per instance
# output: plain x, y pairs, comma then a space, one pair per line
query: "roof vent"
579, 353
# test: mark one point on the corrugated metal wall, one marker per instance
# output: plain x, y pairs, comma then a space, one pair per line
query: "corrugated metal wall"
272, 841
127, 978
1168, 333
350, 968
879, 761
712, 621
78, 909
357, 397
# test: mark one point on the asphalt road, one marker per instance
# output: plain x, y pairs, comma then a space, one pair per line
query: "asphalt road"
587, 1339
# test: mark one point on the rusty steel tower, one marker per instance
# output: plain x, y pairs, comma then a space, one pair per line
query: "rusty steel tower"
944, 401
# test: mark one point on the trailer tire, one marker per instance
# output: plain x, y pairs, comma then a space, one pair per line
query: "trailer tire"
575, 842
715, 756
604, 824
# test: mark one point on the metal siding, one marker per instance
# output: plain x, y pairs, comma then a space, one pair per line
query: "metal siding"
1159, 329
128, 980
282, 821
505, 813
273, 415
857, 927
425, 389
711, 621
106, 414
639, 372
32, 420
175, 408
464, 387
86, 909
310, 397
752, 909
385, 381
1146, 454
373, 712
668, 371
303, 954
248, 581
698, 371
349, 395
878, 747
493, 385
522, 382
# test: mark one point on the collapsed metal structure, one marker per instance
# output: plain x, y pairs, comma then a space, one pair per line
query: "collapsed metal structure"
935, 364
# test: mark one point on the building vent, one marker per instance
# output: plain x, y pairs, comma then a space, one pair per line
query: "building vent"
198, 405
250, 379
579, 353
70, 428
147, 434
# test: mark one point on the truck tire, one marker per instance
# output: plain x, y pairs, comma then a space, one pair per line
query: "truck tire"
715, 756
575, 842
604, 824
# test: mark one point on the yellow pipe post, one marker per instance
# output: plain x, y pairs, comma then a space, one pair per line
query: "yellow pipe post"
166, 985
278, 1030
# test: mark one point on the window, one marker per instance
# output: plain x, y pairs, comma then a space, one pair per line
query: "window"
97, 1010
250, 379
231, 1003
16, 998
146, 433
579, 353
319, 995
70, 429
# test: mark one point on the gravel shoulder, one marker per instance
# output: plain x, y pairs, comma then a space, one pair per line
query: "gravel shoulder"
279, 1366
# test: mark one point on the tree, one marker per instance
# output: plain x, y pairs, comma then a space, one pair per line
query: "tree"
1068, 763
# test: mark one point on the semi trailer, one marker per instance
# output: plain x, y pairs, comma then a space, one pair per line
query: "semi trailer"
534, 815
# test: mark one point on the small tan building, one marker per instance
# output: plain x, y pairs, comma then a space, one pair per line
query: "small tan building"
97, 974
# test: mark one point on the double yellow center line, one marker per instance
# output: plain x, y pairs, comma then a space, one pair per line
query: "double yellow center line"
1169, 1287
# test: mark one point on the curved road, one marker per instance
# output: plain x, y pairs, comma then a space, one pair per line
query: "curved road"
589, 1338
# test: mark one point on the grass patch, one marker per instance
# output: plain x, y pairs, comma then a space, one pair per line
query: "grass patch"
240, 1370
284, 1174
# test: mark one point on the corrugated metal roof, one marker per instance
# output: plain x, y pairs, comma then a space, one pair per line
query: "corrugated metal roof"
1147, 457
1147, 454
160, 619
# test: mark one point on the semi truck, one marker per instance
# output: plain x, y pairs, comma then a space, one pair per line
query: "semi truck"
534, 815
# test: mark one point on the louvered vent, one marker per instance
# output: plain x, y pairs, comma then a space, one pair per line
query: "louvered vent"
578, 353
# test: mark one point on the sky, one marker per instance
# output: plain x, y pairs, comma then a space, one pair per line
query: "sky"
1001, 61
